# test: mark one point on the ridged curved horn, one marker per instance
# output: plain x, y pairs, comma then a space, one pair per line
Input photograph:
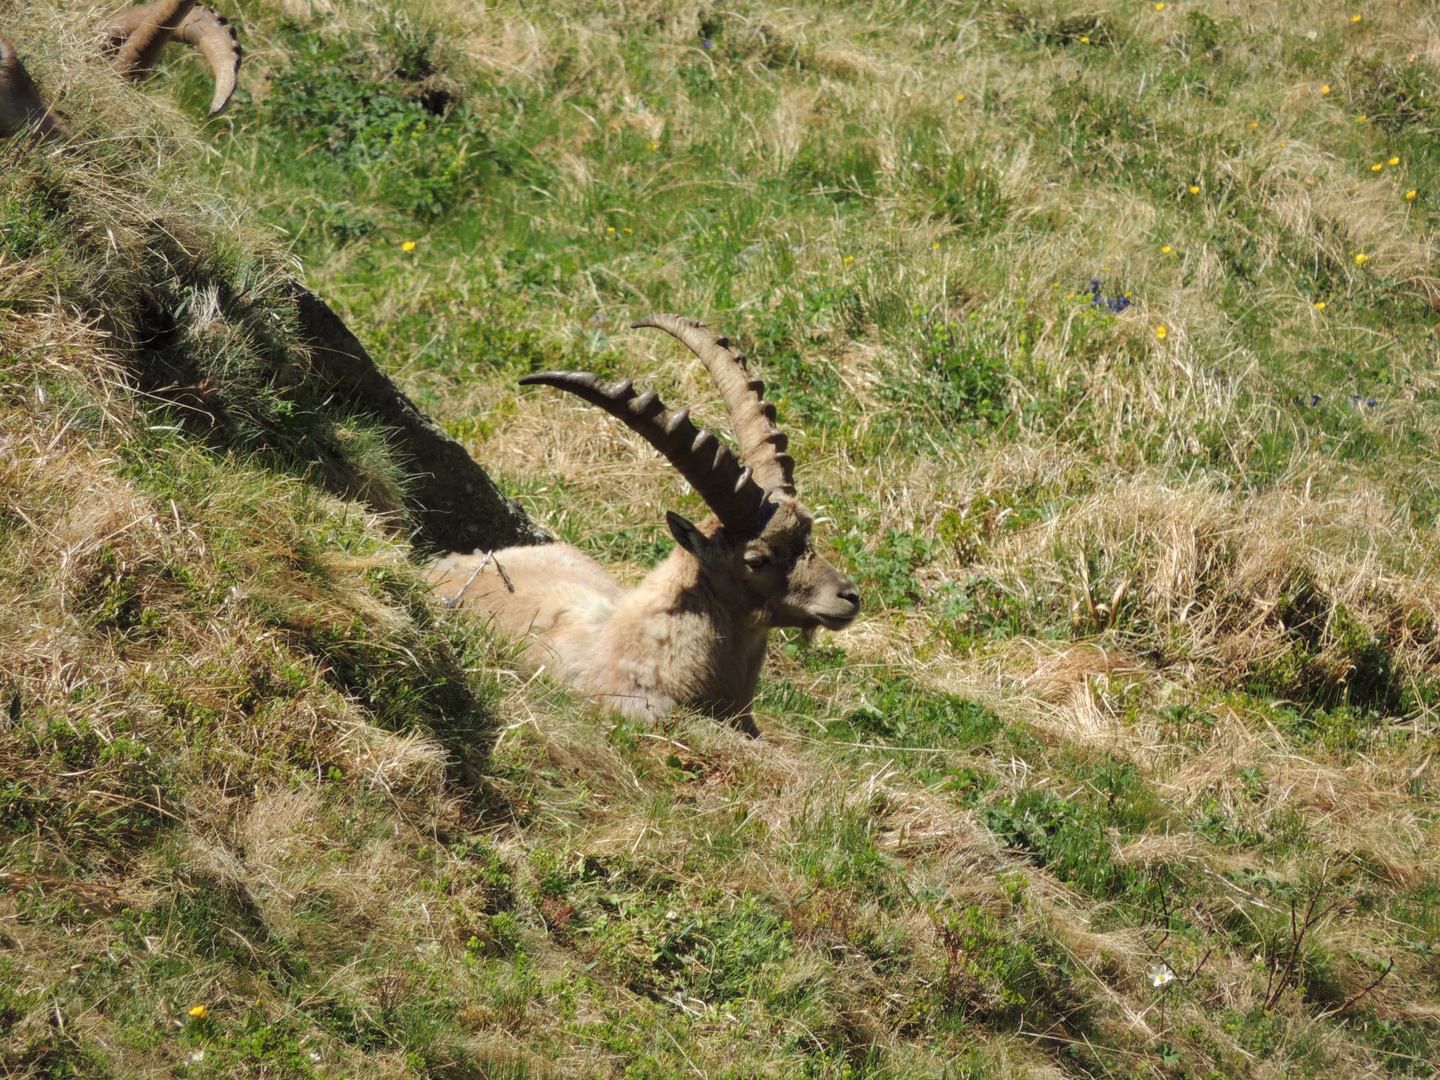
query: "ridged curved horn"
762, 443
142, 32
705, 461
212, 34
21, 105
137, 35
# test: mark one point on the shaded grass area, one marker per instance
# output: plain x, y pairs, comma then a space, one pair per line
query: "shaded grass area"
1145, 687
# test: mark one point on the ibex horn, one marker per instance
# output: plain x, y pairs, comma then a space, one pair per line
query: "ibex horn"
139, 33
212, 34
762, 443
709, 465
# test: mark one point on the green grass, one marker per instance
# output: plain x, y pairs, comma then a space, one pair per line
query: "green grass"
1148, 665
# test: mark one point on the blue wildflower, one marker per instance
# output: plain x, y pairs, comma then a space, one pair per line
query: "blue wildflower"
1116, 304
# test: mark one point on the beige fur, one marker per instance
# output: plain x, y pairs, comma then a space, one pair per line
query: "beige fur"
693, 633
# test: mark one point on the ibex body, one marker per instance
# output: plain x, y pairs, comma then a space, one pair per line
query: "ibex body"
694, 632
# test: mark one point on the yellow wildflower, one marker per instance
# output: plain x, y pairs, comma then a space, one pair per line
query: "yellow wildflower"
1361, 259
1165, 250
1354, 18
935, 246
1160, 332
959, 97
654, 146
1194, 190
1359, 119
408, 245
1377, 166
628, 229
610, 228
1084, 41
1159, 7
849, 259
1325, 89
1252, 125
1319, 305
1410, 195
199, 1012
1394, 161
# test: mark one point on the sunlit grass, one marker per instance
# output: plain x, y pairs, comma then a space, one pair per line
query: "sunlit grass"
1150, 644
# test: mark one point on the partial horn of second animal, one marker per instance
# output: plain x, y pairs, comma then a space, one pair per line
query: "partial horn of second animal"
21, 105
137, 35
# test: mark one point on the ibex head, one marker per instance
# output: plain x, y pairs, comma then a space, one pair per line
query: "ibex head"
756, 553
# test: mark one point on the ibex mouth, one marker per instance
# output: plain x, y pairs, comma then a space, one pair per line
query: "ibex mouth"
840, 620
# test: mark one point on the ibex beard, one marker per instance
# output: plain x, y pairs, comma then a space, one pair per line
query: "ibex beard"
693, 633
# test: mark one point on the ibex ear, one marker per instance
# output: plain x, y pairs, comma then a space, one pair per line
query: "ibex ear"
686, 534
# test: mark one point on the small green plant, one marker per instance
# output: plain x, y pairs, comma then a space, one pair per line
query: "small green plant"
842, 166
969, 365
1073, 839
902, 713
970, 197
392, 130
887, 571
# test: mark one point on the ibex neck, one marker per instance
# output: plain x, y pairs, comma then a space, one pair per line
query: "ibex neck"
706, 652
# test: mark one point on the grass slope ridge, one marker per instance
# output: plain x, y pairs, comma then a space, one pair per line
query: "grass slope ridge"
1127, 771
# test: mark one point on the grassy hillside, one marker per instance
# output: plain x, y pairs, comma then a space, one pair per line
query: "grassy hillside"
1104, 337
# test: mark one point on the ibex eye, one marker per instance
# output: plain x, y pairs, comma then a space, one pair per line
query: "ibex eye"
755, 561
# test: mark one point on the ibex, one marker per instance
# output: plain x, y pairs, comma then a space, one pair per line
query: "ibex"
135, 38
694, 632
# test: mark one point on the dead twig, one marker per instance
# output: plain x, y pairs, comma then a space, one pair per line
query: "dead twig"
454, 601
1353, 998
1273, 990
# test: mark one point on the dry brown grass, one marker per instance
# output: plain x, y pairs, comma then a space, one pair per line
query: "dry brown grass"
328, 830
1221, 578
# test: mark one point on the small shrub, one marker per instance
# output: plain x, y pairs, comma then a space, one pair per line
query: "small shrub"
905, 714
